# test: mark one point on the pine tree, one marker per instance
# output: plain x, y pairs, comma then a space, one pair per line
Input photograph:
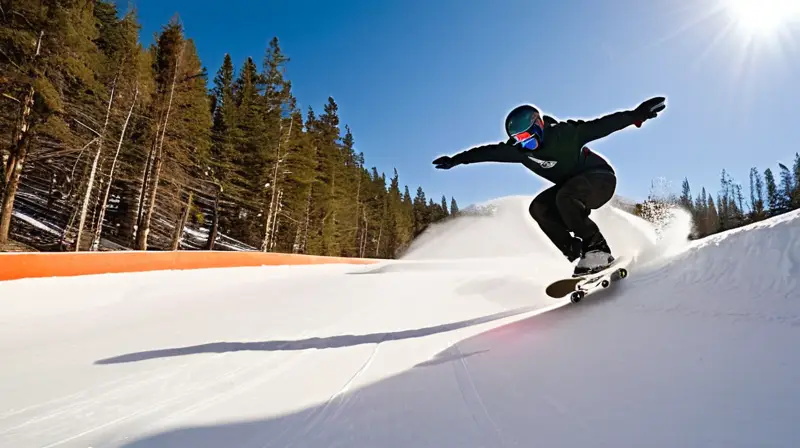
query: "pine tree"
740, 213
453, 207
713, 221
47, 50
279, 102
223, 165
324, 132
796, 193
133, 155
246, 180
125, 59
224, 130
348, 194
395, 230
189, 151
787, 189
435, 212
701, 217
378, 215
756, 196
725, 204
168, 53
759, 189
686, 196
773, 197
300, 176
180, 134
96, 110
406, 217
421, 212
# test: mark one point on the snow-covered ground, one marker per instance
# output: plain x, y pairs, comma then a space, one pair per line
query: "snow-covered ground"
453, 346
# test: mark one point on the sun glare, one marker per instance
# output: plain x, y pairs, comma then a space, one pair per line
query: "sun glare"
749, 41
763, 16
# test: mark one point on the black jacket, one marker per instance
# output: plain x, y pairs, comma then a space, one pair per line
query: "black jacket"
563, 152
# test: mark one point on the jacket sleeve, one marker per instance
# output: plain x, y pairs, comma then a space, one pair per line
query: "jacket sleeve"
497, 152
601, 127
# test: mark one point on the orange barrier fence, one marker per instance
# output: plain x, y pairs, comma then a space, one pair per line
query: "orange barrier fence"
16, 265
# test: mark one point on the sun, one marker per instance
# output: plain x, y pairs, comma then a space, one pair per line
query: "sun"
757, 17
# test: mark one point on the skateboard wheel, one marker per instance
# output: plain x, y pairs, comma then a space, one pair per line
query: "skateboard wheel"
576, 296
623, 273
605, 284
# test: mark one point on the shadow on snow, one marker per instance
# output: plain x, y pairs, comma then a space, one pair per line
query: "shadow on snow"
409, 399
310, 343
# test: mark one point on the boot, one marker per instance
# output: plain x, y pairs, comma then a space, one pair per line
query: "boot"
573, 249
596, 257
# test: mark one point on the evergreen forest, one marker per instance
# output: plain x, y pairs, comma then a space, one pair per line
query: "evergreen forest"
108, 145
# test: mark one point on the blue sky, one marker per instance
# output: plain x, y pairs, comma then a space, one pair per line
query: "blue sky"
415, 79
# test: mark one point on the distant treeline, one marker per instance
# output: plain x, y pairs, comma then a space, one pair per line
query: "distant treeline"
769, 195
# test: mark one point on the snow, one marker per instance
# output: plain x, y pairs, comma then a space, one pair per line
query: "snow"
200, 236
36, 223
222, 240
453, 346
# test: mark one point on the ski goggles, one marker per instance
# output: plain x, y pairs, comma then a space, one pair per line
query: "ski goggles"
527, 129
527, 140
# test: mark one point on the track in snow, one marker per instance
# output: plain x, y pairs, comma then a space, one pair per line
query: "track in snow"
453, 346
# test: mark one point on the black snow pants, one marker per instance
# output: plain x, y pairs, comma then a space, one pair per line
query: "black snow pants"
565, 208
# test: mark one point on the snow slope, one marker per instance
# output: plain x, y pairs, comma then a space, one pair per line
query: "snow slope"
453, 346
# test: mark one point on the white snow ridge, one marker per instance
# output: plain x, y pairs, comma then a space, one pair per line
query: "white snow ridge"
455, 345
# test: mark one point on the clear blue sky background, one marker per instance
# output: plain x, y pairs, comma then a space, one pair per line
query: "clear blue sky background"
415, 79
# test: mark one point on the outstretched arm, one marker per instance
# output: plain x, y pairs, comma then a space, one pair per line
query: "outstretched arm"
496, 152
601, 127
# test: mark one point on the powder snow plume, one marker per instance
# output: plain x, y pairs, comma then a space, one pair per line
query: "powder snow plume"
503, 231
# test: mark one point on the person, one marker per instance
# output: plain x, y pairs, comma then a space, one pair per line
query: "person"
583, 180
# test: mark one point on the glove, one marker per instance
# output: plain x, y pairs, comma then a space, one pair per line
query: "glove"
648, 109
444, 163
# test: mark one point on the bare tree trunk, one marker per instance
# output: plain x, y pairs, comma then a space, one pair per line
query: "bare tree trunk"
297, 234
212, 234
143, 230
10, 190
144, 227
15, 163
334, 205
16, 158
364, 234
378, 245
96, 206
104, 204
148, 167
304, 241
270, 213
50, 188
74, 185
10, 163
268, 224
178, 235
4, 158
274, 229
358, 204
90, 184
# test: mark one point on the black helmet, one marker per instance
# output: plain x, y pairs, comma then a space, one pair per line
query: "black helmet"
525, 124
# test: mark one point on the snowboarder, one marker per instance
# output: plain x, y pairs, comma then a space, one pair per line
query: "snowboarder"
584, 180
